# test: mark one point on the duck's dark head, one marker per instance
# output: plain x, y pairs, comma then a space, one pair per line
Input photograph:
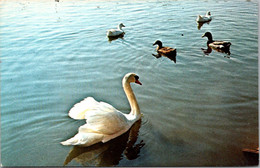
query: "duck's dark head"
120, 26
158, 42
209, 35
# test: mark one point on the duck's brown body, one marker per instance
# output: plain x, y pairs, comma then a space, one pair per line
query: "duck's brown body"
221, 46
164, 50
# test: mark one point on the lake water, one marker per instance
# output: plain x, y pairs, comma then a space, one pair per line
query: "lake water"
200, 111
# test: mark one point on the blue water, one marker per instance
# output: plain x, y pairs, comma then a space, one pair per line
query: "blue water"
201, 111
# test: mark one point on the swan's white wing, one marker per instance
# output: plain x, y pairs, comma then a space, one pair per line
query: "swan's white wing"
79, 110
105, 122
101, 126
85, 139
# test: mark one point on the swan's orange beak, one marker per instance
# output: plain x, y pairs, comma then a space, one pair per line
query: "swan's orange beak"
138, 82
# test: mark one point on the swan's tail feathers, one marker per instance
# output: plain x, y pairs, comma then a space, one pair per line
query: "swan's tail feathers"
71, 141
85, 139
79, 110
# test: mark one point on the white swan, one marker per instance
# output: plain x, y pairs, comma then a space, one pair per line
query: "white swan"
116, 32
205, 18
104, 122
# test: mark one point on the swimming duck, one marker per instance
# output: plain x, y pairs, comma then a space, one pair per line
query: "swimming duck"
116, 32
217, 45
205, 18
164, 50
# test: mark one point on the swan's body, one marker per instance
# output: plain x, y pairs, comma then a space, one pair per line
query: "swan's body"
205, 18
217, 45
116, 32
104, 122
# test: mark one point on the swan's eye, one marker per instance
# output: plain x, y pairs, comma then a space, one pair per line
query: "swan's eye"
136, 77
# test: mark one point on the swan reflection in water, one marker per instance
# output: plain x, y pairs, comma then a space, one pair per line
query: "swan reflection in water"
110, 153
200, 24
209, 50
172, 57
111, 38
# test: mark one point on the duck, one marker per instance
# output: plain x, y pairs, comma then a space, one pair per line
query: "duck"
116, 32
103, 121
165, 51
205, 18
217, 45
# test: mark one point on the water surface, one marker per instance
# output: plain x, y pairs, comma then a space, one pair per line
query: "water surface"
201, 111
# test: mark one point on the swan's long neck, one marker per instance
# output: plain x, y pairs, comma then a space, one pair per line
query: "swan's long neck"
135, 110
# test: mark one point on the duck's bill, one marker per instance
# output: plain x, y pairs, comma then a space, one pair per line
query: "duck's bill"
138, 82
203, 35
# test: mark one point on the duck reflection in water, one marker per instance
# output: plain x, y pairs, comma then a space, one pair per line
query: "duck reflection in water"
171, 57
111, 38
209, 50
200, 24
110, 153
